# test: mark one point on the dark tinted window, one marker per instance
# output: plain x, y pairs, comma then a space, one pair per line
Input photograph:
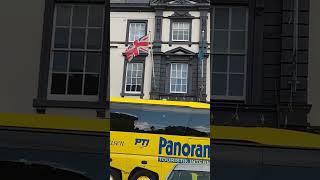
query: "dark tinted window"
159, 119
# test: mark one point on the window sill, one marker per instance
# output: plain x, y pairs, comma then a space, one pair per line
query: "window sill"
132, 94
189, 43
42, 104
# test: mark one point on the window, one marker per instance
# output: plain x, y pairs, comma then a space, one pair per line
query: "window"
136, 30
76, 51
178, 78
180, 31
230, 52
157, 119
134, 78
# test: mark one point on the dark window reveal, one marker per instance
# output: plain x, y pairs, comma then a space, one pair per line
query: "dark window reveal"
77, 50
230, 52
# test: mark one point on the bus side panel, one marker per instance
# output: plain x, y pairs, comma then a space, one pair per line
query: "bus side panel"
127, 163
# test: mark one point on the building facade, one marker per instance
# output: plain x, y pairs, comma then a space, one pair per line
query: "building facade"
54, 73
73, 70
257, 57
273, 72
171, 70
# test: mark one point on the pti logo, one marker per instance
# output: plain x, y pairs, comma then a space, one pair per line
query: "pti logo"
142, 142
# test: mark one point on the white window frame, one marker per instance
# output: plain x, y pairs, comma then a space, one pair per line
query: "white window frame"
66, 96
177, 77
180, 30
136, 77
228, 53
140, 34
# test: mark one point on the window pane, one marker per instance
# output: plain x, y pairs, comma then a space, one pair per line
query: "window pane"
128, 81
178, 88
78, 38
134, 73
133, 88
175, 25
96, 16
75, 84
184, 88
172, 88
134, 77
79, 17
63, 15
140, 74
61, 38
180, 31
138, 88
76, 61
91, 84
186, 25
93, 62
220, 63
128, 87
237, 64
136, 31
219, 84
237, 40
221, 20
236, 85
238, 18
58, 84
173, 73
184, 81
94, 39
220, 41
175, 35
180, 36
186, 37
139, 81
60, 62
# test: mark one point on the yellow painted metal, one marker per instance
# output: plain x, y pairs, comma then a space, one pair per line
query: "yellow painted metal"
54, 122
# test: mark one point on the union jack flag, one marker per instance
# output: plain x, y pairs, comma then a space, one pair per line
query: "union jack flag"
140, 45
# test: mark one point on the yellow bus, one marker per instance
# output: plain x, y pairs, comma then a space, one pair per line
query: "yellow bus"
158, 139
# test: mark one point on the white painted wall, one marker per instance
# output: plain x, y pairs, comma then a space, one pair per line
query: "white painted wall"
118, 28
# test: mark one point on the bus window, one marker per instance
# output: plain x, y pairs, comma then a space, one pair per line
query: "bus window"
170, 120
199, 124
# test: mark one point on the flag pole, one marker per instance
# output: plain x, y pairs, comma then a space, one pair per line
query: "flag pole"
202, 64
152, 61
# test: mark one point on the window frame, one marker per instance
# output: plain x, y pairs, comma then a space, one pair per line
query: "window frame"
125, 80
41, 101
186, 20
129, 21
139, 59
187, 78
179, 30
229, 53
69, 50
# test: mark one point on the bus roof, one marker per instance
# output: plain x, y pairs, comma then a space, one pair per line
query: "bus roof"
198, 105
267, 136
53, 122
